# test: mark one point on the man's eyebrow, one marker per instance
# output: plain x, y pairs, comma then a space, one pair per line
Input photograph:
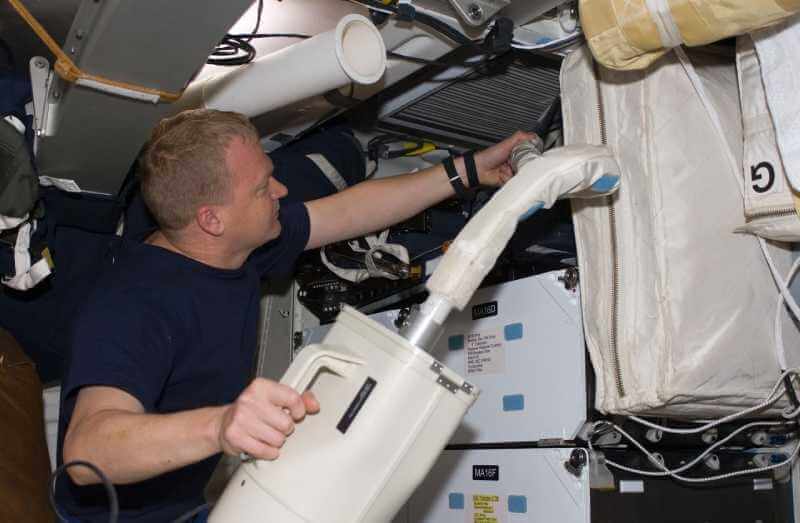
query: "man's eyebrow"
264, 181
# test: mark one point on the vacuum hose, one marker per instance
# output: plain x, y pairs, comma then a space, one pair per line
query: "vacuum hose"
575, 171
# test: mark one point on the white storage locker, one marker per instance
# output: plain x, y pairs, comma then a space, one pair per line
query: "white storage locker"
501, 486
521, 343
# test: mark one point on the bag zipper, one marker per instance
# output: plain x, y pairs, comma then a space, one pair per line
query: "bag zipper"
612, 220
770, 212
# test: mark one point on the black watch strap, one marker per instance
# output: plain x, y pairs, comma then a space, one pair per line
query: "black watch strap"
455, 179
472, 170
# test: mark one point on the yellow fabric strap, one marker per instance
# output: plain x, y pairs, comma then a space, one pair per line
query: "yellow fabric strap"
623, 35
66, 68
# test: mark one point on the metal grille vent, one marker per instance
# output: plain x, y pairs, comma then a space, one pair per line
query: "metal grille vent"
480, 110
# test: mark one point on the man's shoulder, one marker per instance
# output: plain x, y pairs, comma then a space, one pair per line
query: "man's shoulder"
130, 281
277, 257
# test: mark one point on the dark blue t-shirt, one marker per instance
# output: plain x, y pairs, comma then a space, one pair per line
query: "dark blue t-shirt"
177, 335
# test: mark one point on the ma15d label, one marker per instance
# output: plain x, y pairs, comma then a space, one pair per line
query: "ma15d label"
484, 310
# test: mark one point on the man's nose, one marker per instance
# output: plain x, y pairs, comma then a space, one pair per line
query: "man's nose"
277, 189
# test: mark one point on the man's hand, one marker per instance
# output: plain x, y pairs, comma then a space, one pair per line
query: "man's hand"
262, 417
492, 162
374, 205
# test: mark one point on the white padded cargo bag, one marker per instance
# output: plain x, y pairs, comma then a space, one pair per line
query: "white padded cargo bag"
770, 202
678, 309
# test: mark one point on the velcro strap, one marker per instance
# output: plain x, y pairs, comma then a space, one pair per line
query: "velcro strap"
455, 179
472, 170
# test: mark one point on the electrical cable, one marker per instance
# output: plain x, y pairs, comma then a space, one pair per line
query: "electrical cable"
674, 473
113, 501
699, 458
777, 392
476, 74
236, 49
378, 146
192, 513
772, 398
383, 9
781, 350
418, 16
457, 36
112, 493
551, 45
429, 251
259, 12
270, 35
398, 56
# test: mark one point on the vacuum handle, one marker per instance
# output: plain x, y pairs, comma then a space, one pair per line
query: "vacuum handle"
311, 360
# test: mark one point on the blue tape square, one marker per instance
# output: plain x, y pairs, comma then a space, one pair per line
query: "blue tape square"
456, 501
513, 331
606, 183
518, 504
530, 212
455, 342
513, 402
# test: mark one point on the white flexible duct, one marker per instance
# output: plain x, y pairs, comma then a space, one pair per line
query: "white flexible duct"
576, 171
351, 52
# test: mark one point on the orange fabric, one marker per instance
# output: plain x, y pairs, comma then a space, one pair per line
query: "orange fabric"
24, 460
66, 68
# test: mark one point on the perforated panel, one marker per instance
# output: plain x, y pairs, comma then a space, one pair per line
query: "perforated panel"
481, 109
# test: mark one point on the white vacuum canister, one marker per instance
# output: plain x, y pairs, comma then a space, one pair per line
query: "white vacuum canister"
387, 411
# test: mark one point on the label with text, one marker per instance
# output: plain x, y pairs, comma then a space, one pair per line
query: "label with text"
486, 508
485, 352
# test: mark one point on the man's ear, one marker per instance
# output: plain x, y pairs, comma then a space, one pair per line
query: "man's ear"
209, 219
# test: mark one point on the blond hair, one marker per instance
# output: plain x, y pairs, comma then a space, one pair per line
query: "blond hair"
183, 165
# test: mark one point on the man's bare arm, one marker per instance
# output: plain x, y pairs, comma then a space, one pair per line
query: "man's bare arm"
110, 429
376, 204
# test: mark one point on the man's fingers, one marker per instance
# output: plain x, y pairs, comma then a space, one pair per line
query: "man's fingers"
258, 449
277, 418
261, 419
311, 402
521, 136
282, 395
505, 173
269, 435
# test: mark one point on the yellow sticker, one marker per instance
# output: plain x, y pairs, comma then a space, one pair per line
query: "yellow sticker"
485, 509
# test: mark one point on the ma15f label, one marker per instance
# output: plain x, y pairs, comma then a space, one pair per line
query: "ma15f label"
484, 310
485, 472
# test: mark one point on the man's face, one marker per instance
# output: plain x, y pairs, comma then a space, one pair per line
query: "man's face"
252, 217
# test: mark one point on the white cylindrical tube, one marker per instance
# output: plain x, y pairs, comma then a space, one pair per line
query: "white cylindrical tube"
351, 52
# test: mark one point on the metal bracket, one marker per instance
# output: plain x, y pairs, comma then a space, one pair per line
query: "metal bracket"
447, 383
41, 76
478, 12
